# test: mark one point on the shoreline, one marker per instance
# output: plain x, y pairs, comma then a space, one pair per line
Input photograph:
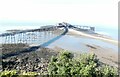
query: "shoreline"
37, 61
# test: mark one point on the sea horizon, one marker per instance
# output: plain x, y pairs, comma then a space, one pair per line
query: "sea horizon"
100, 29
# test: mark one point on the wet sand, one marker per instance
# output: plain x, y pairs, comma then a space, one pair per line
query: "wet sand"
106, 55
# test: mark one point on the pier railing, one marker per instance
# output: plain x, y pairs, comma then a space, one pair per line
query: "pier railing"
82, 28
42, 34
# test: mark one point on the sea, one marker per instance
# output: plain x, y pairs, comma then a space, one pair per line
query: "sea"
70, 42
104, 30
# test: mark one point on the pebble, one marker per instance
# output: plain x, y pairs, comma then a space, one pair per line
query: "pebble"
29, 61
18, 60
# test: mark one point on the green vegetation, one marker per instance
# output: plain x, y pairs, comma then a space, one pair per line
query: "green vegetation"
84, 65
8, 73
14, 73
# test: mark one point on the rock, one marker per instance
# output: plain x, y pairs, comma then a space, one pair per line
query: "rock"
36, 59
30, 61
18, 60
17, 67
91, 46
27, 65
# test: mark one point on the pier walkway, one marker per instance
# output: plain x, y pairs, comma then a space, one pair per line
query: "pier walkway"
29, 36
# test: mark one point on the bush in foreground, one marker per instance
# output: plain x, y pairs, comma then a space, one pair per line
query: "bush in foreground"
85, 65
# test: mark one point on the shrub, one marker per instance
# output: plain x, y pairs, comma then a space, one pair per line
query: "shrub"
8, 73
14, 73
86, 65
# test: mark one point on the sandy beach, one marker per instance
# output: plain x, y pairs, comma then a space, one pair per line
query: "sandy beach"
110, 40
106, 55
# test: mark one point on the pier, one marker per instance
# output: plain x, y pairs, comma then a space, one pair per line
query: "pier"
43, 34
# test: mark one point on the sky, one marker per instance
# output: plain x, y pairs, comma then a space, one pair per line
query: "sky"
88, 12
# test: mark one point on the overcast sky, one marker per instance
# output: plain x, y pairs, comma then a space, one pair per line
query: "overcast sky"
99, 12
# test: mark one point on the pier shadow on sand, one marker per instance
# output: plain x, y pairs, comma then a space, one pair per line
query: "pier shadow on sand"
34, 48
